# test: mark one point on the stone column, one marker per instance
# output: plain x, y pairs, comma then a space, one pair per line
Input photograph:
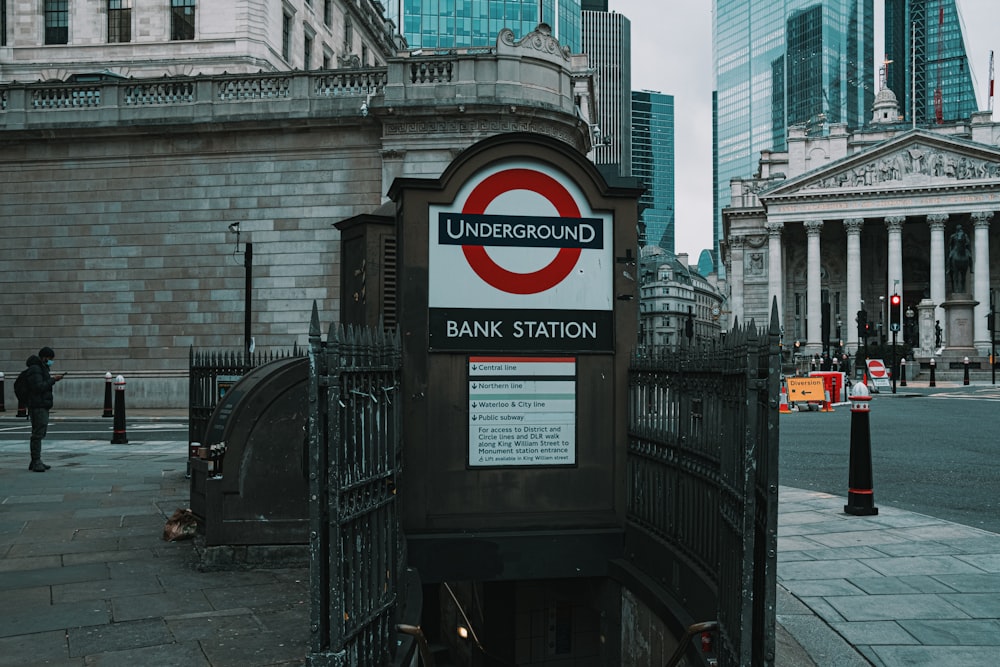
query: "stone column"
938, 288
894, 225
736, 279
814, 277
981, 278
775, 275
853, 227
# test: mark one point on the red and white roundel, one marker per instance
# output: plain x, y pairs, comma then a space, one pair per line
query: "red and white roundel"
531, 282
516, 274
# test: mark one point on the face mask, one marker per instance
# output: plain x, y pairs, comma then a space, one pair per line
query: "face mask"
48, 362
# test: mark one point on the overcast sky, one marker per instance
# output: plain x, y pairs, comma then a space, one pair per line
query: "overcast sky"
672, 54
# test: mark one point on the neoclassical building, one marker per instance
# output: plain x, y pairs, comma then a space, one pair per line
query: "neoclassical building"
838, 223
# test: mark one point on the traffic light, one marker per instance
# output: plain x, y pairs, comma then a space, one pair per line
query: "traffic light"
895, 314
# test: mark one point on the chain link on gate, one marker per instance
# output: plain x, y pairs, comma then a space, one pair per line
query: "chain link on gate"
354, 540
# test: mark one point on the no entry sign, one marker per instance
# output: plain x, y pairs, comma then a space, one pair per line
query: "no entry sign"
876, 369
519, 261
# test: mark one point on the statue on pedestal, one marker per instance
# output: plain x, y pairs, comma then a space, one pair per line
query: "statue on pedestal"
959, 259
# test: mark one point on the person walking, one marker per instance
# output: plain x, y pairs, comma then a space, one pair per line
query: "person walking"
40, 382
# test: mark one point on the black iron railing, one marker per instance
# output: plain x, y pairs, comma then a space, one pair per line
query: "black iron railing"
354, 448
702, 482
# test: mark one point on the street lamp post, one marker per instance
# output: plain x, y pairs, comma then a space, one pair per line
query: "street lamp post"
247, 289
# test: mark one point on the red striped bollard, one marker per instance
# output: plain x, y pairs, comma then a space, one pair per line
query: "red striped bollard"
3, 408
118, 435
108, 411
860, 495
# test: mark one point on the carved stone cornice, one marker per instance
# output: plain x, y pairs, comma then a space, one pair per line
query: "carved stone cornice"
936, 221
854, 225
737, 242
540, 40
981, 219
774, 230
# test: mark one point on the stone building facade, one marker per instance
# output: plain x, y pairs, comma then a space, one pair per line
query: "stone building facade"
144, 38
670, 292
837, 224
116, 196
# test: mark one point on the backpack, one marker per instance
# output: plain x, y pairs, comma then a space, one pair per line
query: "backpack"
21, 390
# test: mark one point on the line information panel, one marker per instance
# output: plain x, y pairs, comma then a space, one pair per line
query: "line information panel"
522, 411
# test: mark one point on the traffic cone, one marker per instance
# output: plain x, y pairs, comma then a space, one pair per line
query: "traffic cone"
860, 495
783, 407
827, 405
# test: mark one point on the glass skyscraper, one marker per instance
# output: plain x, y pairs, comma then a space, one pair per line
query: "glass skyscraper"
923, 41
442, 24
653, 164
780, 63
607, 41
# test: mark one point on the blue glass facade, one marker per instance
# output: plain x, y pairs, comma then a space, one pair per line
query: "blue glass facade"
653, 164
780, 63
441, 24
923, 39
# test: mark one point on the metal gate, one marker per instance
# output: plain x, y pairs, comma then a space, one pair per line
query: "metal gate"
354, 540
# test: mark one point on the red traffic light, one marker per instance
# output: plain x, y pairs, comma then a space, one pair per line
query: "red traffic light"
895, 316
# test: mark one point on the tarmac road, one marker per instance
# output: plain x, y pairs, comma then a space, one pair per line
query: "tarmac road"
934, 451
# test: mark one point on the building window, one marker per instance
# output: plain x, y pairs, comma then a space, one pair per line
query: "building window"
307, 49
327, 11
3, 23
327, 58
181, 19
286, 36
119, 21
364, 55
348, 35
56, 21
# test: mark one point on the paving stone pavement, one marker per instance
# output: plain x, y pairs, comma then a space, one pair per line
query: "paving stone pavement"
86, 579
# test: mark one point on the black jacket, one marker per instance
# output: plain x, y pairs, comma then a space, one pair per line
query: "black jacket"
40, 384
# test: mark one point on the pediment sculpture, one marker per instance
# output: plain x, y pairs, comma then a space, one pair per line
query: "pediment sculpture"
917, 164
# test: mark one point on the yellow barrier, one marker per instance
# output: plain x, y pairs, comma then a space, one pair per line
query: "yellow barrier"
806, 390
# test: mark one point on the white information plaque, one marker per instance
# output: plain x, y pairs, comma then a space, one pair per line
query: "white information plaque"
522, 411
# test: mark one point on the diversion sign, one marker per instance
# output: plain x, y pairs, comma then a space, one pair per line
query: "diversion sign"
519, 262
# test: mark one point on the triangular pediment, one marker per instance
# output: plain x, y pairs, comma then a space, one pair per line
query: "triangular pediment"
916, 159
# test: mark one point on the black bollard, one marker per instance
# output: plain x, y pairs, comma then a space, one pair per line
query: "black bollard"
965, 379
118, 435
902, 372
3, 408
860, 495
933, 368
108, 412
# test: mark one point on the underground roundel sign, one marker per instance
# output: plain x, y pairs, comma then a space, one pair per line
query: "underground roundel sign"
519, 261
